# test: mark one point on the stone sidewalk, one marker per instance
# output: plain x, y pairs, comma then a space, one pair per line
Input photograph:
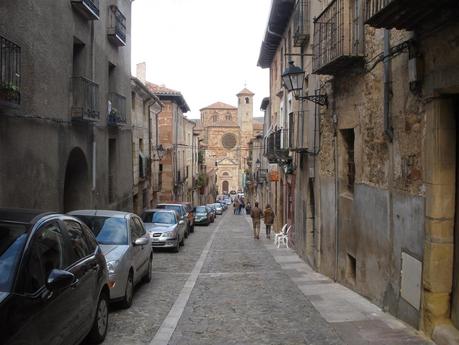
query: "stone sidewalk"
356, 320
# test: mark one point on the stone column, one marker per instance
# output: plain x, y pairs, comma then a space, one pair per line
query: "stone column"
439, 178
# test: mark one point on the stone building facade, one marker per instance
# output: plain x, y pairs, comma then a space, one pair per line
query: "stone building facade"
226, 132
175, 133
144, 115
372, 141
65, 138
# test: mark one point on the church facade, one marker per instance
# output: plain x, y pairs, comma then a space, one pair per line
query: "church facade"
226, 133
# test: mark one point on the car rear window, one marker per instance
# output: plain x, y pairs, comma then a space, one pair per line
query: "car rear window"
158, 217
201, 209
12, 240
177, 208
108, 230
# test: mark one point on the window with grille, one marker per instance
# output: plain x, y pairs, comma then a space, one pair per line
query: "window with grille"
348, 136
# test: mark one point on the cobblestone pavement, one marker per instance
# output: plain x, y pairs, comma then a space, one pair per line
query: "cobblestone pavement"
224, 287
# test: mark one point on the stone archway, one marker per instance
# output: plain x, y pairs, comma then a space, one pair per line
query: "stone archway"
225, 186
77, 190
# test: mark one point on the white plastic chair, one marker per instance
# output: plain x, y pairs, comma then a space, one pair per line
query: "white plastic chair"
280, 234
284, 238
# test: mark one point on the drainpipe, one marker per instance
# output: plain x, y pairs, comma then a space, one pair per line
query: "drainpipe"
94, 145
335, 148
388, 130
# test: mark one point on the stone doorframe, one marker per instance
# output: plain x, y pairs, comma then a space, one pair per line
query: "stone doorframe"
439, 179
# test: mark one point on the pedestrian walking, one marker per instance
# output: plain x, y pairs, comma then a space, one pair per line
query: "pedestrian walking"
248, 208
268, 219
241, 207
256, 215
236, 206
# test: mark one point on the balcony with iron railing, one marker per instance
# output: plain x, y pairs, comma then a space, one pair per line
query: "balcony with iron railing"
269, 148
301, 27
298, 139
116, 30
281, 144
116, 109
87, 8
338, 38
85, 99
10, 73
408, 15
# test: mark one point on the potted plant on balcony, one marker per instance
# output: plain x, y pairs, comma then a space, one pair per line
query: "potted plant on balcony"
9, 92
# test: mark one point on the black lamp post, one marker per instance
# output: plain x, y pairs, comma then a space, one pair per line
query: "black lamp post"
293, 78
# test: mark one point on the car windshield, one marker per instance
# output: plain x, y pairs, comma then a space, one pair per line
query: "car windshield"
12, 240
177, 208
201, 209
158, 217
108, 230
211, 206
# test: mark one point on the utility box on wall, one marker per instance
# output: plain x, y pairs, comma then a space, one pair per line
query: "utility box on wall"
411, 280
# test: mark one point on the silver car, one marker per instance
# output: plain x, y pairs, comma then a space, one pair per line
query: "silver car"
127, 249
218, 208
166, 228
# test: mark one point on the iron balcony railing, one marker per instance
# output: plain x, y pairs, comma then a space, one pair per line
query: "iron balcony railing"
85, 104
301, 24
88, 8
10, 72
269, 148
281, 144
409, 15
338, 37
116, 26
116, 109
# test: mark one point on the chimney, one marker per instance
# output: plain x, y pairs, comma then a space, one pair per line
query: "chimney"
141, 71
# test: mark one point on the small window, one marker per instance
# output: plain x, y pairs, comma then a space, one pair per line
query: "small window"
214, 118
133, 100
349, 142
228, 117
247, 100
78, 242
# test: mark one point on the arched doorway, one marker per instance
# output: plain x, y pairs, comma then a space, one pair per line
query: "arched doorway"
77, 191
225, 186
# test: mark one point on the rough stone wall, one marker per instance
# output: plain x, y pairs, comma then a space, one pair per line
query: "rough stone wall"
207, 116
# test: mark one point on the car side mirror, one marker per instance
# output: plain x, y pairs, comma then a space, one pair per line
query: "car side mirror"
141, 241
59, 279
181, 222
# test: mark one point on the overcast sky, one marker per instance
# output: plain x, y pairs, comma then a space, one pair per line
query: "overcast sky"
206, 49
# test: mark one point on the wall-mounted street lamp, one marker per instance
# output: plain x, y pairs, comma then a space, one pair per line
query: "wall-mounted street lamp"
293, 78
160, 152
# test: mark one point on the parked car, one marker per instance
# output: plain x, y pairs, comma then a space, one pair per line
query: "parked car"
165, 227
181, 210
127, 249
224, 205
202, 215
190, 214
53, 280
213, 211
218, 208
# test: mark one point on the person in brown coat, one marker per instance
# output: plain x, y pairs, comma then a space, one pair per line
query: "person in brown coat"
256, 215
269, 219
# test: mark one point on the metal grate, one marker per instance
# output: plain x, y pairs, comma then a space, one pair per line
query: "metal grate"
117, 26
88, 8
338, 36
10, 72
301, 23
85, 104
116, 109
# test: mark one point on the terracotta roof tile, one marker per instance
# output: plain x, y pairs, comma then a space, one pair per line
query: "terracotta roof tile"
219, 105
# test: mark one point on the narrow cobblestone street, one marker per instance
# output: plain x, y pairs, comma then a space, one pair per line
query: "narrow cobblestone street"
226, 288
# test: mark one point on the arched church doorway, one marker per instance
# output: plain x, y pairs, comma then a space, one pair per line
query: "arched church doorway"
77, 191
225, 186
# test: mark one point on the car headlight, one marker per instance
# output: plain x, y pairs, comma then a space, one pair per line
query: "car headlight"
111, 266
168, 234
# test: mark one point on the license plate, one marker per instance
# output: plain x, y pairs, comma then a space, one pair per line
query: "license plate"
155, 239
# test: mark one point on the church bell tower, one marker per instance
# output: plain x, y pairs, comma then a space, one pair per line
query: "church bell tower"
245, 122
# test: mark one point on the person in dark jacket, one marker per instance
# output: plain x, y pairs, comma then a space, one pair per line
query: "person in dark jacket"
256, 215
269, 219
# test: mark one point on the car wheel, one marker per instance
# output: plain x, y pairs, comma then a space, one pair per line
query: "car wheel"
100, 324
177, 247
128, 292
148, 275
182, 242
